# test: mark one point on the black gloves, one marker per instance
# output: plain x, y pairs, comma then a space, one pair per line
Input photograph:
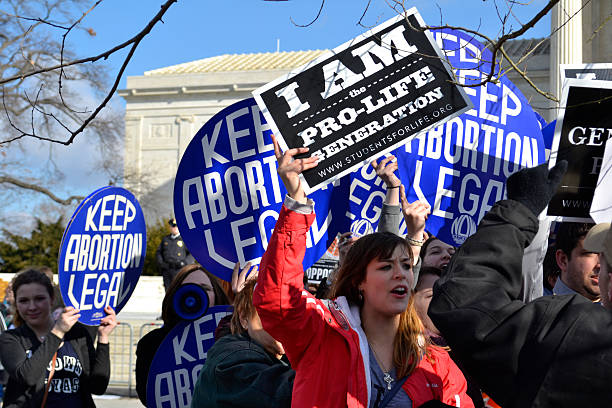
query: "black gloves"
534, 187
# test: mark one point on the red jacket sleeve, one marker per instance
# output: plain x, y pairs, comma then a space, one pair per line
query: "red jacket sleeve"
454, 386
289, 313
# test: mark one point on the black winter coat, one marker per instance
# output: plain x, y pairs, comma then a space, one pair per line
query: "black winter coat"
555, 351
145, 352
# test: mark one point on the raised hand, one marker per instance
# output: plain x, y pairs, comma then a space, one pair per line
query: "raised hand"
386, 171
415, 215
240, 278
289, 169
107, 325
65, 321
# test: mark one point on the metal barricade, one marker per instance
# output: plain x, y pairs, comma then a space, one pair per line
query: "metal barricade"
123, 353
148, 327
121, 356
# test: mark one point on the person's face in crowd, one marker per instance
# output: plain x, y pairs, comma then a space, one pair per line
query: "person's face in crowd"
605, 282
257, 333
388, 283
200, 278
438, 254
174, 230
34, 304
580, 272
312, 288
422, 298
345, 242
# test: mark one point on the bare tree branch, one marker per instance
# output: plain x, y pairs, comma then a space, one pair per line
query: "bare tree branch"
315, 19
133, 42
364, 13
596, 31
37, 188
523, 74
62, 72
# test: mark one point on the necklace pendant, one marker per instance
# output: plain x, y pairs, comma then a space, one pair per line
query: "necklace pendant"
388, 379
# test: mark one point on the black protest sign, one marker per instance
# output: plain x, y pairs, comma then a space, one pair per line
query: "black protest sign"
321, 269
363, 99
582, 130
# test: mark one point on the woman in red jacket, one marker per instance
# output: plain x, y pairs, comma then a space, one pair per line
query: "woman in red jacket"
367, 344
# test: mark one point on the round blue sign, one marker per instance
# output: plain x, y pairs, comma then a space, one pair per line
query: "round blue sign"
460, 167
179, 359
227, 194
102, 253
79, 209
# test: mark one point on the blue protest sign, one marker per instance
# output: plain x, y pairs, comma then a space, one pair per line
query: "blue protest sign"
227, 194
179, 359
86, 200
548, 134
102, 253
540, 119
460, 168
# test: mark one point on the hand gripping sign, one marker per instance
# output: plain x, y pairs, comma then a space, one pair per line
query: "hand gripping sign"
179, 359
460, 168
227, 194
363, 98
102, 253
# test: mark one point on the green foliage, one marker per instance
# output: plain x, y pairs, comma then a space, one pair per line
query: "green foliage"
41, 248
155, 233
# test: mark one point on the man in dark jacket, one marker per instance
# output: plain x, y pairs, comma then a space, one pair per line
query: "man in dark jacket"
172, 254
555, 351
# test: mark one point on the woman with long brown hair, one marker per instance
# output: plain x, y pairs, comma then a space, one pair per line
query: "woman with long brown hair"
148, 344
366, 346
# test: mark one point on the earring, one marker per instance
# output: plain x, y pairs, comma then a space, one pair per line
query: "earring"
360, 295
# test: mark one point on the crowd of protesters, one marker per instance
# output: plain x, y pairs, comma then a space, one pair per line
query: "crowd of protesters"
412, 321
403, 321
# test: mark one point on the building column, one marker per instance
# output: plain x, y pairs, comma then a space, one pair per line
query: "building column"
566, 43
